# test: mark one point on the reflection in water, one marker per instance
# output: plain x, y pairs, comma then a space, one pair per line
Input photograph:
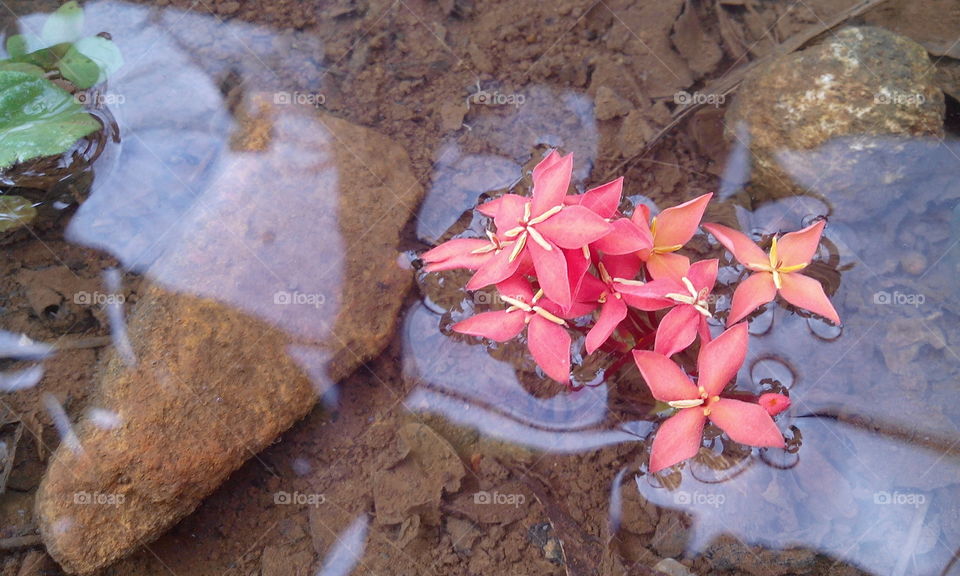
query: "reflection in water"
464, 383
348, 551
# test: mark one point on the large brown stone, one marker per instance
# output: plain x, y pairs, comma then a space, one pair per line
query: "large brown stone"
283, 279
830, 108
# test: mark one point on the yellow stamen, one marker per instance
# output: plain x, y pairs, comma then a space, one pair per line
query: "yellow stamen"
521, 242
546, 215
629, 282
516, 303
794, 268
549, 316
685, 403
539, 239
774, 261
603, 273
666, 249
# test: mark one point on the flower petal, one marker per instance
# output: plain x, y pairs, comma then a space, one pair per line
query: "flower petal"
667, 265
758, 289
590, 289
677, 225
604, 200
490, 208
549, 344
509, 213
678, 438
773, 403
549, 160
517, 287
574, 227
743, 248
499, 325
799, 247
624, 266
456, 253
551, 269
666, 381
625, 238
746, 423
551, 182
677, 330
720, 359
497, 268
577, 266
647, 297
805, 292
612, 312
703, 274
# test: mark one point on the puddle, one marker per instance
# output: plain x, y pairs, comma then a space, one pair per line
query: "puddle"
241, 256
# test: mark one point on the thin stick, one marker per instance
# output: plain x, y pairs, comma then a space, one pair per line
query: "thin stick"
17, 542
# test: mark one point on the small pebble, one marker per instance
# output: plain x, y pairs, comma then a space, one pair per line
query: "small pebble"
913, 263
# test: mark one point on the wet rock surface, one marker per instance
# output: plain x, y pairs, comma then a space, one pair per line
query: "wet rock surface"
863, 83
235, 339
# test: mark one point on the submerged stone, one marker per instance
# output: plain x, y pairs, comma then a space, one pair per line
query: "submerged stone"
859, 90
281, 281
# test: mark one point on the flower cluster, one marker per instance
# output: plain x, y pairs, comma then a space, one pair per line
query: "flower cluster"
555, 257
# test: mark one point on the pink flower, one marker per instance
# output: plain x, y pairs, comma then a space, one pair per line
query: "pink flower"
610, 292
778, 271
680, 436
690, 298
670, 230
547, 337
545, 224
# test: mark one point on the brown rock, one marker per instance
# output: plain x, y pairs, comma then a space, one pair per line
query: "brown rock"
864, 83
284, 281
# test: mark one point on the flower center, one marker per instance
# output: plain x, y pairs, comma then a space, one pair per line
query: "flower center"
532, 308
494, 246
695, 298
704, 400
525, 228
775, 265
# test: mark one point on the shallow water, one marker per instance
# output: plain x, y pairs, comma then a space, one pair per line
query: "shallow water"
202, 196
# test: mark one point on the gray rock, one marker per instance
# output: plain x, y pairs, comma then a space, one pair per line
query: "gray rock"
863, 83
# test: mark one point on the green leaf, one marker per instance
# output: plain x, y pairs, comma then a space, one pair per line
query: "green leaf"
22, 67
64, 25
17, 45
15, 211
37, 118
90, 61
